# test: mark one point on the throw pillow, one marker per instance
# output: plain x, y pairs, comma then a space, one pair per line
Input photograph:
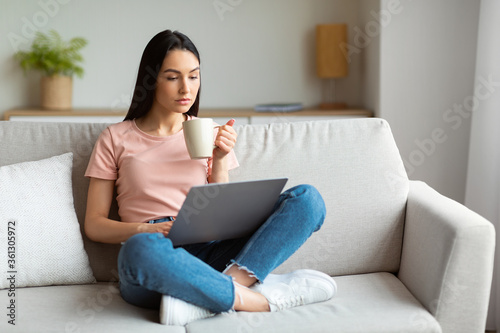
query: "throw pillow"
40, 239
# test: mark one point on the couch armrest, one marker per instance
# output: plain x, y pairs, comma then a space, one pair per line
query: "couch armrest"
447, 259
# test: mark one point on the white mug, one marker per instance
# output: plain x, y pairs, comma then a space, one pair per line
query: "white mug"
199, 137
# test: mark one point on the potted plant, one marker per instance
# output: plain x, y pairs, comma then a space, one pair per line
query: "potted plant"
58, 60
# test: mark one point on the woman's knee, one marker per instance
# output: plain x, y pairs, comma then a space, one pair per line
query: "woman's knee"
139, 248
311, 203
142, 242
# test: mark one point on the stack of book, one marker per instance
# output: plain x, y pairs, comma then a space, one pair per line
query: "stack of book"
285, 107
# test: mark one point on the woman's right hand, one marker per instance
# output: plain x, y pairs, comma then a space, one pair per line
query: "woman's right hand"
162, 227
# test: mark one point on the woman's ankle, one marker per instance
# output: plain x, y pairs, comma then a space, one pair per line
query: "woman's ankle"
248, 300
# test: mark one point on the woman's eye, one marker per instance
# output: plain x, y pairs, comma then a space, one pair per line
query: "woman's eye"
193, 77
171, 78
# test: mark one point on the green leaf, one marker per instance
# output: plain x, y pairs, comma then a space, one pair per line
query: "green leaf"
51, 55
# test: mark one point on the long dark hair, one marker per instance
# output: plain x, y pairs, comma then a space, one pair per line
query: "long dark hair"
151, 61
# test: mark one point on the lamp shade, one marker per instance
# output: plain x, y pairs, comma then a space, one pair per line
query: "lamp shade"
331, 62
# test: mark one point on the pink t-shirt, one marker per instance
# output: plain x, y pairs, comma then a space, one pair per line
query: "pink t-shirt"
153, 174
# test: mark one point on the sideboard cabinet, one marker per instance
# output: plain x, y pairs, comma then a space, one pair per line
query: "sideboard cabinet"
242, 116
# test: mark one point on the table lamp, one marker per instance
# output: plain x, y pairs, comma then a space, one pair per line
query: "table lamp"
331, 62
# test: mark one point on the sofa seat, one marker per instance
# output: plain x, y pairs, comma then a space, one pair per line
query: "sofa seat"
376, 302
80, 308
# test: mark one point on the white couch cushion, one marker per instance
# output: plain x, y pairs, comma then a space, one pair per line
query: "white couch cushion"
38, 225
356, 166
91, 308
376, 302
30, 141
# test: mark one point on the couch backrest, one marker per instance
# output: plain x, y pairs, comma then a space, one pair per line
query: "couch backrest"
26, 141
355, 164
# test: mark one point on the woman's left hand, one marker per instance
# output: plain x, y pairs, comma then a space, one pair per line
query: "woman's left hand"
225, 139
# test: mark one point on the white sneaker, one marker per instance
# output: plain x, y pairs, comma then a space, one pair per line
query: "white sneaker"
174, 311
297, 288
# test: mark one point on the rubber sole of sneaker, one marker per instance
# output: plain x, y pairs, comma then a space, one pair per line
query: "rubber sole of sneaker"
174, 311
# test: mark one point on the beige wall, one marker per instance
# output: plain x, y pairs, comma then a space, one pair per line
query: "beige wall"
427, 61
252, 51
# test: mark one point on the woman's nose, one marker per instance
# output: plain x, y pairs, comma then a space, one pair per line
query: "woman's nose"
184, 87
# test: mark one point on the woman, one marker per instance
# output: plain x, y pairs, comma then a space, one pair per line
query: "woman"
145, 157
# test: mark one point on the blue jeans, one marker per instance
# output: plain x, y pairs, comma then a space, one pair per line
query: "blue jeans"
150, 266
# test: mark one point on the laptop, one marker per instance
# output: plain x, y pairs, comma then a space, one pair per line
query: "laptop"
225, 210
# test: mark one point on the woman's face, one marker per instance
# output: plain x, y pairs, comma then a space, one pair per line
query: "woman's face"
178, 81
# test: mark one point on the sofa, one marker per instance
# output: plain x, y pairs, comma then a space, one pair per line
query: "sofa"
405, 258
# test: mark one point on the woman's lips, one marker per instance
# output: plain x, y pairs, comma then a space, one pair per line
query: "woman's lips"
183, 101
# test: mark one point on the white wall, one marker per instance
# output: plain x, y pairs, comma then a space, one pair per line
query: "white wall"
252, 52
427, 54
483, 174
366, 40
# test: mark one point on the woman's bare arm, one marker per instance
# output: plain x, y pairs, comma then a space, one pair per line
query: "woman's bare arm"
99, 228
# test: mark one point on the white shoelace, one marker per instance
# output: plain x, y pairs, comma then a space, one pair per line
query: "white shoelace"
289, 302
